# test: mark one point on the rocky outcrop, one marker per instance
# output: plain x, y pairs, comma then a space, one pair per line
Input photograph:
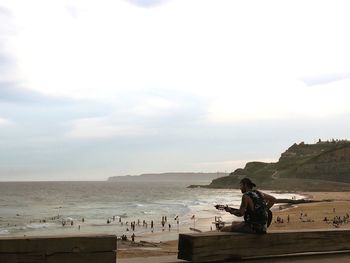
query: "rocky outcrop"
301, 167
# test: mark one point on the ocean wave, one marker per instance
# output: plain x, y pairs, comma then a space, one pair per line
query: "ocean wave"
198, 203
68, 219
4, 232
148, 212
38, 225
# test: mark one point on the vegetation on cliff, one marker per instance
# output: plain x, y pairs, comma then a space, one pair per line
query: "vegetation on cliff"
323, 166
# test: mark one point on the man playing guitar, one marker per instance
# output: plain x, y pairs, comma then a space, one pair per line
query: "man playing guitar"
255, 208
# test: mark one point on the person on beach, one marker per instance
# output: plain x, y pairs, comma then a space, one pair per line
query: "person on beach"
254, 208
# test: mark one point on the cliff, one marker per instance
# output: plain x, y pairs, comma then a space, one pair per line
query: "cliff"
324, 166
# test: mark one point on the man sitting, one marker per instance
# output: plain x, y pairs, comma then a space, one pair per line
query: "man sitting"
254, 207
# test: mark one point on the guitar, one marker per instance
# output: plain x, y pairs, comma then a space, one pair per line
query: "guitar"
231, 210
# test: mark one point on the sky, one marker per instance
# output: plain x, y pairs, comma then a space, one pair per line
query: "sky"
92, 89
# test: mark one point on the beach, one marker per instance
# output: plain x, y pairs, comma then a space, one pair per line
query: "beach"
302, 216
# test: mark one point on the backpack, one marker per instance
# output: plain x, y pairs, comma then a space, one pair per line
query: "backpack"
261, 217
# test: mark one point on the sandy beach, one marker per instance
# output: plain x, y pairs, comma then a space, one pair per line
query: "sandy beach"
333, 206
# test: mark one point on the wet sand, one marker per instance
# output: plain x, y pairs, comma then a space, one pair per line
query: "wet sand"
302, 216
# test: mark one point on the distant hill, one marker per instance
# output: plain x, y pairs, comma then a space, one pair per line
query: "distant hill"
170, 177
323, 166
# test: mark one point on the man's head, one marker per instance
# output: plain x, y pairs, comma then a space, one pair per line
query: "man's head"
246, 184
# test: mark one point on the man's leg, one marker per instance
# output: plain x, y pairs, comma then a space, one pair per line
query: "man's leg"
240, 227
229, 228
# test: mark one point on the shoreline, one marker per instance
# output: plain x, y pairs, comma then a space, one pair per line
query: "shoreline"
304, 216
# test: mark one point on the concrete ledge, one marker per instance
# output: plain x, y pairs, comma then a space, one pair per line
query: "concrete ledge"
216, 246
54, 249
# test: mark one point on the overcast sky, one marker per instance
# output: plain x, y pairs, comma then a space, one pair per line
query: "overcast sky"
92, 89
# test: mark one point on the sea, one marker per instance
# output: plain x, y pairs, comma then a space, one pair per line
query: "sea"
64, 208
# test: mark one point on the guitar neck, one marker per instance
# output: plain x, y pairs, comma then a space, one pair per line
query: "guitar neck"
227, 208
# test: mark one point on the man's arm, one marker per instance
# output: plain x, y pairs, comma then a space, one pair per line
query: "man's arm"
243, 207
229, 209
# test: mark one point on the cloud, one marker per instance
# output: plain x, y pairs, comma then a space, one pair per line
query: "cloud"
4, 64
5, 17
9, 92
5, 11
161, 104
96, 128
146, 113
12, 92
7, 31
5, 122
195, 82
325, 78
147, 3
72, 10
281, 99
